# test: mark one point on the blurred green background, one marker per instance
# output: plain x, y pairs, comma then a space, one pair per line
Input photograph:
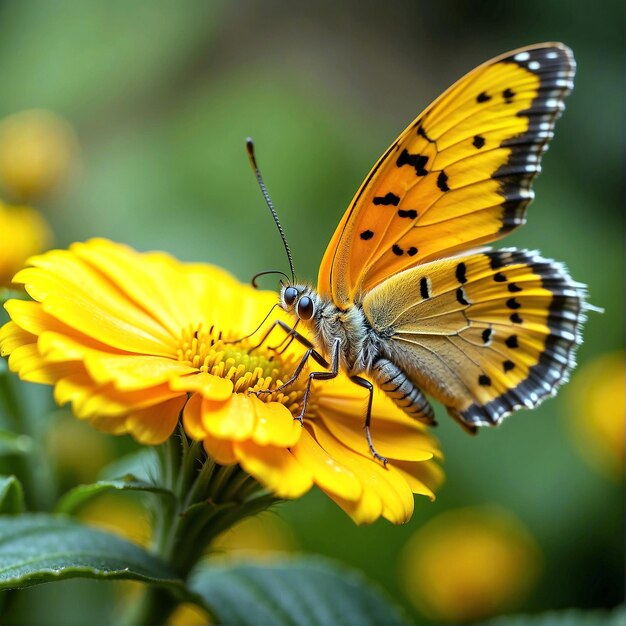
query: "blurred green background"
161, 96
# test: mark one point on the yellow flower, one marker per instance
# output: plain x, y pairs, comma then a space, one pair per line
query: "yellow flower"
133, 341
23, 232
595, 415
36, 151
470, 564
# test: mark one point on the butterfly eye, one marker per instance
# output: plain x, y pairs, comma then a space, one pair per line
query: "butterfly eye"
305, 308
290, 295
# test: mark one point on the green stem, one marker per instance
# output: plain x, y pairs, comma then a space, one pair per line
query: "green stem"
154, 607
209, 499
32, 466
12, 402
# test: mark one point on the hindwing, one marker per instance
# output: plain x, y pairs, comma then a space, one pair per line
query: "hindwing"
484, 334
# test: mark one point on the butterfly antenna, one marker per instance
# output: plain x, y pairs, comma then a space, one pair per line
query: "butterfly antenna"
254, 331
257, 172
265, 273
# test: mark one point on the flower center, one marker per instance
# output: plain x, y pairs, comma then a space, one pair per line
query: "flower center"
250, 367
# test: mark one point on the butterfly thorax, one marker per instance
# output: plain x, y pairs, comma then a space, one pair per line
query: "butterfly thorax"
329, 324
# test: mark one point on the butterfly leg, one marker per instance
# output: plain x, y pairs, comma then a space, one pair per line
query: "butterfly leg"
311, 352
276, 324
332, 373
362, 382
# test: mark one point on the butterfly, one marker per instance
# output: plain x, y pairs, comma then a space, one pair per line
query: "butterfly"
408, 300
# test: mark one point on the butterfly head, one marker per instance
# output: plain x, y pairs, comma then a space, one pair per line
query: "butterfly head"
299, 300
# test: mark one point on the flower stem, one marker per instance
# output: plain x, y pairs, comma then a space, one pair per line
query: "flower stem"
210, 499
31, 465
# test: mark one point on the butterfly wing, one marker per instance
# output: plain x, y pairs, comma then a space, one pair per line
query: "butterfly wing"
458, 176
484, 334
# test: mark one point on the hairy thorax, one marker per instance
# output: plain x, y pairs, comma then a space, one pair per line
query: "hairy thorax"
358, 343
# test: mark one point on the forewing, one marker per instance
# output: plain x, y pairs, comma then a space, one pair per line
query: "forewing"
484, 334
458, 176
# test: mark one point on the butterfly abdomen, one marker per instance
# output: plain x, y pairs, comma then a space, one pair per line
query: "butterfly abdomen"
408, 396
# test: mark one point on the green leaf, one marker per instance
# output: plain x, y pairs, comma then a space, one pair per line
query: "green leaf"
295, 591
14, 443
39, 548
11, 495
143, 464
569, 617
77, 497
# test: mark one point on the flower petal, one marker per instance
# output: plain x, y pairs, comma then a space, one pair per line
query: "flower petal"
28, 363
81, 297
154, 425
30, 316
209, 386
192, 418
220, 450
395, 437
232, 419
13, 337
393, 441
111, 425
393, 491
366, 510
129, 372
423, 478
141, 277
274, 424
274, 467
89, 401
327, 473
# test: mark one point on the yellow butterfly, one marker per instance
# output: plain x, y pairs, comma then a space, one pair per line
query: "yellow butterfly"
405, 297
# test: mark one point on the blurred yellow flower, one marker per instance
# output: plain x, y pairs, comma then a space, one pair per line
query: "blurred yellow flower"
187, 614
77, 452
133, 341
596, 406
23, 232
36, 151
121, 514
262, 536
469, 564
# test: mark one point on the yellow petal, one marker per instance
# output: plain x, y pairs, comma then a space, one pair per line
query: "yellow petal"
232, 419
327, 473
423, 478
81, 297
30, 316
25, 358
366, 510
128, 372
89, 400
141, 277
192, 418
220, 450
391, 488
274, 467
393, 441
342, 395
111, 425
115, 330
48, 373
28, 363
209, 386
274, 424
12, 337
154, 425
